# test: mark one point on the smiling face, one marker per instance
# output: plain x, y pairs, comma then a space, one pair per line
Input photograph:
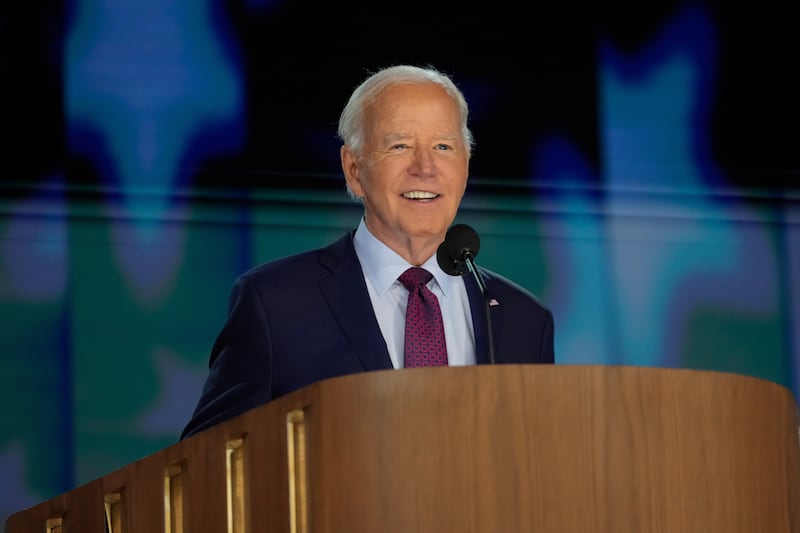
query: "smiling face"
413, 170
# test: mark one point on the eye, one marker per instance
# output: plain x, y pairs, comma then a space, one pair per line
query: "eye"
443, 147
398, 147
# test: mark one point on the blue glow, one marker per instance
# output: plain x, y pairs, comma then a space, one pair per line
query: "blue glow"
144, 78
677, 252
33, 246
579, 285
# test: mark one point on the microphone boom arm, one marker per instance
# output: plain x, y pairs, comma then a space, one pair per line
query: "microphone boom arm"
470, 262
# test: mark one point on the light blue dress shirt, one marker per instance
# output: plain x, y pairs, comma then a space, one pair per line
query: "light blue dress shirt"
382, 266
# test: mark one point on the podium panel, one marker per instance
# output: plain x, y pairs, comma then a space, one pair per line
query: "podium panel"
476, 449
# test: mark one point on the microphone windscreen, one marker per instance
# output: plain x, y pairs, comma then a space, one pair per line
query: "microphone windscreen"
461, 240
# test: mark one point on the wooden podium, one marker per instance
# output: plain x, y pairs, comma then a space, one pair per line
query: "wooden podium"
507, 448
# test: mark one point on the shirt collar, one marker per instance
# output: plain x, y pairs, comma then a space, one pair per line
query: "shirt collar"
382, 265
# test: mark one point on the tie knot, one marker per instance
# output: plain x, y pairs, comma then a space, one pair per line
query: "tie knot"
415, 276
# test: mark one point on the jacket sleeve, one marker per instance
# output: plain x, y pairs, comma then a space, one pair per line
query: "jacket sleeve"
240, 364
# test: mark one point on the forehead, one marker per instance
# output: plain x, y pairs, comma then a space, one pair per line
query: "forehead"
426, 106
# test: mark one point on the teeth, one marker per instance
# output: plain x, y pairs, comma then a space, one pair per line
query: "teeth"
419, 195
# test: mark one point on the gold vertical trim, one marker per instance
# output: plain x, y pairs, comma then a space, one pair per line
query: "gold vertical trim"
53, 525
112, 504
173, 498
297, 461
235, 477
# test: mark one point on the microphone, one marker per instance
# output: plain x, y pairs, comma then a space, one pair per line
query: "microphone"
456, 256
460, 248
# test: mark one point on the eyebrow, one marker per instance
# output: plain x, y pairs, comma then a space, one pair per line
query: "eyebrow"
394, 137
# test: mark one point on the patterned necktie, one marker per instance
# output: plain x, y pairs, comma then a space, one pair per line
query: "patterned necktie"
424, 341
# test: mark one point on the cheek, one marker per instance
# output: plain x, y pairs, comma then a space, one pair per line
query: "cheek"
459, 184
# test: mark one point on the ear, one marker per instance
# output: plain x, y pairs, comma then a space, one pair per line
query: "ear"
351, 170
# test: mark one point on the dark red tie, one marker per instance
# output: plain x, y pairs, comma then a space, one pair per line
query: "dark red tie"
424, 341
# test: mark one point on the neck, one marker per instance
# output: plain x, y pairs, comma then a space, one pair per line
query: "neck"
418, 254
415, 250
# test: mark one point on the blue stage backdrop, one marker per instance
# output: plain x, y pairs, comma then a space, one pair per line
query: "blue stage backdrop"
637, 172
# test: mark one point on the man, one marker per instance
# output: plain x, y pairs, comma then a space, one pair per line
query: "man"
341, 309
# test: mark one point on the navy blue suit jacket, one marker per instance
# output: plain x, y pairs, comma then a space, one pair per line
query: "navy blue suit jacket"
308, 317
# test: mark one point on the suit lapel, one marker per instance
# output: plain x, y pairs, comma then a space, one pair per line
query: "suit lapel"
346, 293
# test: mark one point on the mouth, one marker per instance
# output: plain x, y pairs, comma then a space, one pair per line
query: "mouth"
419, 195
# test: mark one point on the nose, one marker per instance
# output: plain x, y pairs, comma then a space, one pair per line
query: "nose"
423, 163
